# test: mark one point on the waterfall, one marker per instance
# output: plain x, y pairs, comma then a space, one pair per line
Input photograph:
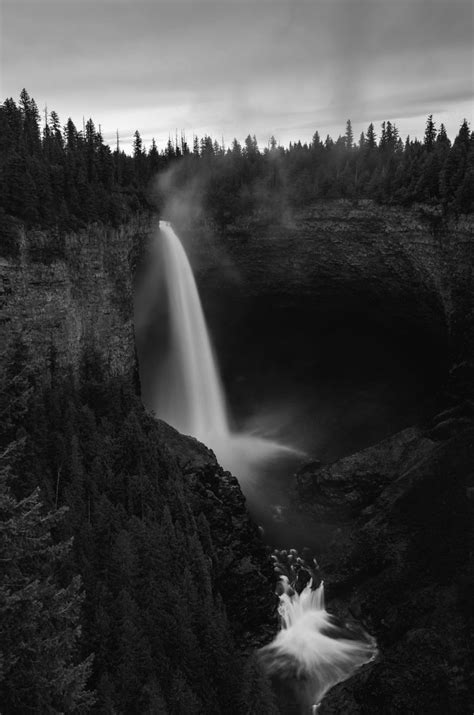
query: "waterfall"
311, 647
189, 395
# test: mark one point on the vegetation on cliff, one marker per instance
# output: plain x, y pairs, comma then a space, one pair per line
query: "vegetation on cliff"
62, 178
169, 588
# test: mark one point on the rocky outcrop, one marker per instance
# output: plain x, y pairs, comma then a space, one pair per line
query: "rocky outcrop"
242, 569
398, 556
77, 295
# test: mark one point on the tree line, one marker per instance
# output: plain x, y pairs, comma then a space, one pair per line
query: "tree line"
61, 177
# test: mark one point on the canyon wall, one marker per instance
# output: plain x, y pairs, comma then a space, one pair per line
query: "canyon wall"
73, 292
397, 513
396, 517
396, 266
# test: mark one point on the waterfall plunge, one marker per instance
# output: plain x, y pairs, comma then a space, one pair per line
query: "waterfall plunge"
311, 647
189, 395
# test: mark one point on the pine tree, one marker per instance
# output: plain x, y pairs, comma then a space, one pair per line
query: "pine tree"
71, 135
371, 140
430, 134
454, 168
39, 618
137, 144
349, 136
153, 157
30, 116
442, 138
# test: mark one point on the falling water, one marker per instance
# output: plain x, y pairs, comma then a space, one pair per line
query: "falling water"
311, 648
190, 395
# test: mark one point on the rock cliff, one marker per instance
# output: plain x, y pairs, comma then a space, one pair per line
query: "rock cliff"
402, 268
394, 519
398, 556
395, 516
77, 295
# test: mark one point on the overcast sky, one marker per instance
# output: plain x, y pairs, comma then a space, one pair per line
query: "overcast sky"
233, 67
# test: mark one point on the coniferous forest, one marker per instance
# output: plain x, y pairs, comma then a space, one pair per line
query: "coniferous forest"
61, 177
117, 591
120, 579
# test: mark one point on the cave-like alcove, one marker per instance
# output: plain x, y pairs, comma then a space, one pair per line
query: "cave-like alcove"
330, 370
330, 373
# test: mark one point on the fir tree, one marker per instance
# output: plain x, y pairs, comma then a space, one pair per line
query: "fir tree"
39, 618
430, 134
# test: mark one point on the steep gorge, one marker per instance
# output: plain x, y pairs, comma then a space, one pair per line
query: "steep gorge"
152, 514
323, 298
391, 504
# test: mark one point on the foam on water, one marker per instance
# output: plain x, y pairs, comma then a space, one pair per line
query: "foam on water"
311, 647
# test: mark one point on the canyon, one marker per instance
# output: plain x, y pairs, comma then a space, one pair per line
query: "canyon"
357, 309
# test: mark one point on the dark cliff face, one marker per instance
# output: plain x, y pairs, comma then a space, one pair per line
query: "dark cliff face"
359, 314
395, 519
336, 291
75, 296
394, 267
397, 554
338, 248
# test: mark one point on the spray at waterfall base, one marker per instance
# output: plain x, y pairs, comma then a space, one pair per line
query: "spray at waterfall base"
189, 394
313, 651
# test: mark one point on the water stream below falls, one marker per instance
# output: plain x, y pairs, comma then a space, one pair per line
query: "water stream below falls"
188, 394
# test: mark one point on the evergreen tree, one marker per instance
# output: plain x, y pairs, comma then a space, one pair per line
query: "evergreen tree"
30, 117
39, 618
442, 138
349, 136
66, 180
371, 140
137, 145
430, 134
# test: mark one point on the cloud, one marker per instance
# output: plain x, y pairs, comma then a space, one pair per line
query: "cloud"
236, 66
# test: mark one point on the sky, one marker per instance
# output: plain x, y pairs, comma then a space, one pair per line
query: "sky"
232, 67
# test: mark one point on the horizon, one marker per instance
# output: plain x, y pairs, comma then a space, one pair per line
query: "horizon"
126, 143
229, 69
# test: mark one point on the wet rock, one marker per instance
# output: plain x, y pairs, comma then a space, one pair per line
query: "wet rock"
413, 678
340, 491
403, 565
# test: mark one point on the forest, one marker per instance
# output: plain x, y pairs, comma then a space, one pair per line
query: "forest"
119, 590
61, 178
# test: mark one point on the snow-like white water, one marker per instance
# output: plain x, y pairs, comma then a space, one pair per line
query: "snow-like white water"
311, 647
190, 395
